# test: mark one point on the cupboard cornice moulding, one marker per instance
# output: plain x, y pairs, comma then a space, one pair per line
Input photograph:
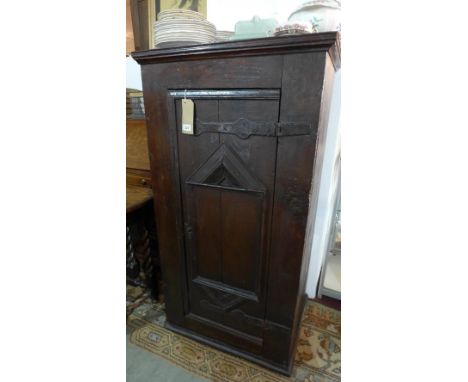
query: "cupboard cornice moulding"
328, 41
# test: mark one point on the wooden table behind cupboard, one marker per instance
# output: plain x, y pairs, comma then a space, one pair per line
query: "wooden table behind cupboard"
234, 197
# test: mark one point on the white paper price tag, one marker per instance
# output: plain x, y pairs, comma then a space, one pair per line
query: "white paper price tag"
187, 116
187, 128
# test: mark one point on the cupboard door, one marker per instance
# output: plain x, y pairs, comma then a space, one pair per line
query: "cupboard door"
227, 181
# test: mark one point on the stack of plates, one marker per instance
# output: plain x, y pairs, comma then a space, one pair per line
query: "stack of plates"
181, 27
223, 35
180, 13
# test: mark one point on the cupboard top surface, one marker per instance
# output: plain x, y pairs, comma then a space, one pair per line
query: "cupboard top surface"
329, 41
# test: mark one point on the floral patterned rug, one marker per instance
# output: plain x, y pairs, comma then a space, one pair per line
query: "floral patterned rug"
318, 354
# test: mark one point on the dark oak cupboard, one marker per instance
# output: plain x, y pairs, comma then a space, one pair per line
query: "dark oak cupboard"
232, 200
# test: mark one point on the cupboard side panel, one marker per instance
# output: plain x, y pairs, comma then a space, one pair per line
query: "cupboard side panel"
301, 95
328, 79
300, 102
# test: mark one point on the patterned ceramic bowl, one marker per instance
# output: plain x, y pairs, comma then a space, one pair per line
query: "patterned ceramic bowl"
295, 27
324, 15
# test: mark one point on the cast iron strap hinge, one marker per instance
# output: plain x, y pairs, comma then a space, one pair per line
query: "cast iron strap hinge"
244, 128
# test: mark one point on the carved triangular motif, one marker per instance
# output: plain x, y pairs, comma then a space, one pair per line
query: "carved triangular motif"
222, 177
225, 169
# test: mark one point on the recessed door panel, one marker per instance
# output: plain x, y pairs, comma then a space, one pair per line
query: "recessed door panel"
208, 235
225, 205
241, 222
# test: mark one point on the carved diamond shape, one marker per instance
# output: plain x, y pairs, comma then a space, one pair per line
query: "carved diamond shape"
222, 177
225, 169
